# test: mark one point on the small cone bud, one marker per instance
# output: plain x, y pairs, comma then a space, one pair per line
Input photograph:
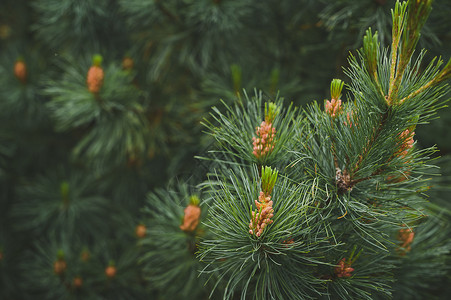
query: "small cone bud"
77, 282
59, 266
94, 78
20, 70
110, 271
140, 231
405, 236
261, 217
333, 107
263, 144
191, 218
343, 269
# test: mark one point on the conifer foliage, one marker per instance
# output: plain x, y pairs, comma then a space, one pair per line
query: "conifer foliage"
346, 206
122, 176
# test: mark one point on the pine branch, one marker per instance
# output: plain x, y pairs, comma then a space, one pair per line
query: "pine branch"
399, 23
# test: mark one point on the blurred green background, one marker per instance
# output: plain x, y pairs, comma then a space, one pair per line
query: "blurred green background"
76, 166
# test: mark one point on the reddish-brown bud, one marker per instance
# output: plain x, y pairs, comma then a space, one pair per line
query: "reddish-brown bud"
262, 216
20, 71
140, 231
191, 218
110, 271
405, 236
59, 266
288, 242
343, 269
333, 107
265, 140
94, 79
407, 137
77, 282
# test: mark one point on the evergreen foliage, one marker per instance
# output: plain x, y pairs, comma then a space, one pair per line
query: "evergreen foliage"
168, 254
122, 176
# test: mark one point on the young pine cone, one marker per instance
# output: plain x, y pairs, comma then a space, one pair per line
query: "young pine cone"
343, 269
20, 70
333, 107
191, 218
264, 142
94, 79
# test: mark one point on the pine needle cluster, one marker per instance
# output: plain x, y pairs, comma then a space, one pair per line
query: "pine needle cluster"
349, 197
